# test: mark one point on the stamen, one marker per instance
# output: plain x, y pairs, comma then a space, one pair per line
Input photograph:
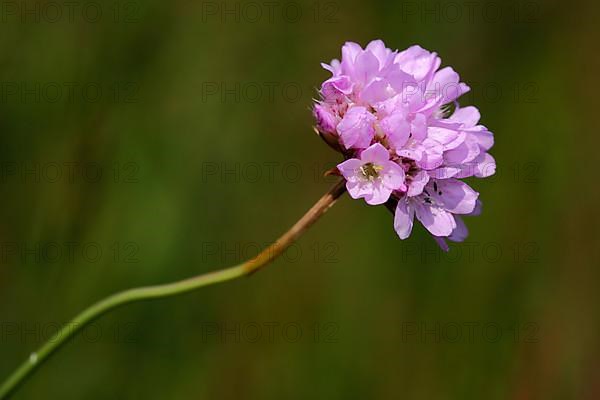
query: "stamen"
446, 110
370, 171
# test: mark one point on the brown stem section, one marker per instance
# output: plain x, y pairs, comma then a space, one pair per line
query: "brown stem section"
288, 238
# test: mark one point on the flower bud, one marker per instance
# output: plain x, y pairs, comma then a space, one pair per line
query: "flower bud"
326, 121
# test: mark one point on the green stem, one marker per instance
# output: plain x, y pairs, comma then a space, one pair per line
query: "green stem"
161, 291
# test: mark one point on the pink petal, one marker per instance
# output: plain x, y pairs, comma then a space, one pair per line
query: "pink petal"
378, 195
393, 176
418, 184
356, 128
376, 154
436, 220
456, 196
465, 152
396, 129
468, 116
403, 219
366, 67
359, 189
460, 233
350, 168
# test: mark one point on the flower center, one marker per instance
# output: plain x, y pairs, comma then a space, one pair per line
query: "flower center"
370, 171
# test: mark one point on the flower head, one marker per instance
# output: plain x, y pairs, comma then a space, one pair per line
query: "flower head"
395, 117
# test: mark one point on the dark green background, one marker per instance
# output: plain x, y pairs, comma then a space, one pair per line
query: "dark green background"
526, 281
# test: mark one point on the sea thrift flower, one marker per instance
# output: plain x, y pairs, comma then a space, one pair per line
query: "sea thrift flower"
395, 117
372, 177
435, 207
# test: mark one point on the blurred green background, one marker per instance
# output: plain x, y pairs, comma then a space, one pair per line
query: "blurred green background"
144, 142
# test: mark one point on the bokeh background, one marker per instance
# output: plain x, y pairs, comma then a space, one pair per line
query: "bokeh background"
145, 142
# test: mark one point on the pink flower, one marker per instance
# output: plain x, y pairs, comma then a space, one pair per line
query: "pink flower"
372, 177
395, 117
436, 207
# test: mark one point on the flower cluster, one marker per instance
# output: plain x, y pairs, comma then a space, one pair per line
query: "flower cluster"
406, 142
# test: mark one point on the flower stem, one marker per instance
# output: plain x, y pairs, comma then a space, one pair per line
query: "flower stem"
161, 291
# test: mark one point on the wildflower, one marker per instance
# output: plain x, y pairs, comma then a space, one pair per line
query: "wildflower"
372, 177
395, 117
436, 207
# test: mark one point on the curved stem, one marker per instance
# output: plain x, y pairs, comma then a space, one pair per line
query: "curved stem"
172, 289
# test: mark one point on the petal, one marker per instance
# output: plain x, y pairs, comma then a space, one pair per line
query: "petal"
482, 167
468, 116
413, 97
467, 151
413, 151
486, 166
356, 128
478, 209
392, 176
366, 67
335, 67
375, 92
376, 154
441, 135
350, 168
350, 51
359, 189
442, 243
396, 129
446, 86
436, 220
484, 138
378, 49
403, 219
418, 184
400, 80
337, 86
456, 196
443, 80
379, 194
393, 105
418, 62
419, 127
326, 120
445, 172
460, 233
432, 155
